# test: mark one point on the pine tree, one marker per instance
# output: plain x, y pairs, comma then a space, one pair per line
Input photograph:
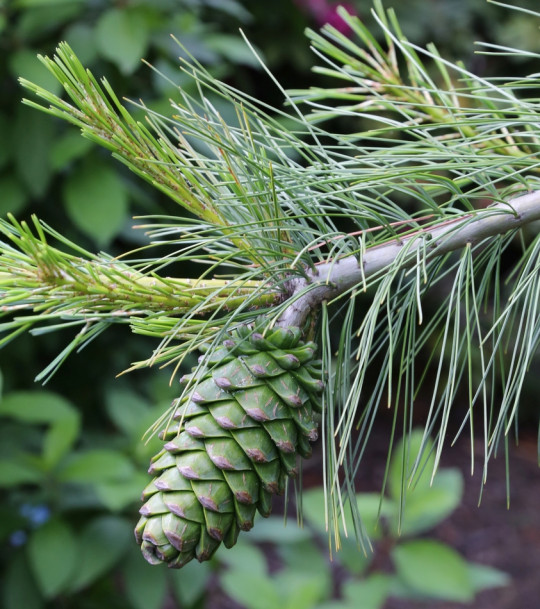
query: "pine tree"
296, 228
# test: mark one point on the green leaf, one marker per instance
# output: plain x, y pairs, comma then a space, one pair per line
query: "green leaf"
372, 510
45, 407
96, 466
373, 591
33, 136
145, 587
232, 48
484, 577
82, 39
122, 36
36, 406
434, 570
427, 507
68, 148
24, 62
191, 582
13, 198
404, 462
246, 558
119, 494
96, 201
59, 439
16, 470
252, 590
34, 25
300, 590
129, 411
42, 3
306, 557
53, 554
353, 557
369, 506
313, 506
19, 588
133, 415
275, 530
5, 134
102, 543
232, 8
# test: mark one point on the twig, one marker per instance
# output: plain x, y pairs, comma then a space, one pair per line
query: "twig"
331, 279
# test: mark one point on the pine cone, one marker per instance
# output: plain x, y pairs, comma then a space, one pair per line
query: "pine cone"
236, 436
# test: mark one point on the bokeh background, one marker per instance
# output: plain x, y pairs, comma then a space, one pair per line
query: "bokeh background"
72, 467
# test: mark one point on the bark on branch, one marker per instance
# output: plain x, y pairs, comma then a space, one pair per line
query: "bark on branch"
331, 279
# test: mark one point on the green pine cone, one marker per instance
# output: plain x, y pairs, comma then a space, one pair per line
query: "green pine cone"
235, 438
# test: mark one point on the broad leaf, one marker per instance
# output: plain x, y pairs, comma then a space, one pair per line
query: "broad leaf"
251, 590
119, 494
426, 507
232, 48
352, 556
300, 590
144, 586
102, 544
275, 530
370, 593
18, 470
82, 38
373, 510
484, 577
59, 439
53, 553
411, 466
33, 136
190, 583
13, 198
24, 62
129, 411
68, 148
122, 36
246, 558
370, 510
36, 406
434, 570
19, 588
40, 407
96, 201
306, 557
96, 466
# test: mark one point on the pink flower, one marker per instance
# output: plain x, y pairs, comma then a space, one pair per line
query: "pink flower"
324, 12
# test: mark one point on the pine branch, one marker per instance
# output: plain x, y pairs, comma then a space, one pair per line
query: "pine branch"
439, 106
39, 279
164, 155
328, 281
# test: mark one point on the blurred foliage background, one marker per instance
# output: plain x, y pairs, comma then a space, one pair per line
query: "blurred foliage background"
72, 463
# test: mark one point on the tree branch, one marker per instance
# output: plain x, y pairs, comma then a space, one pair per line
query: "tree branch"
331, 279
